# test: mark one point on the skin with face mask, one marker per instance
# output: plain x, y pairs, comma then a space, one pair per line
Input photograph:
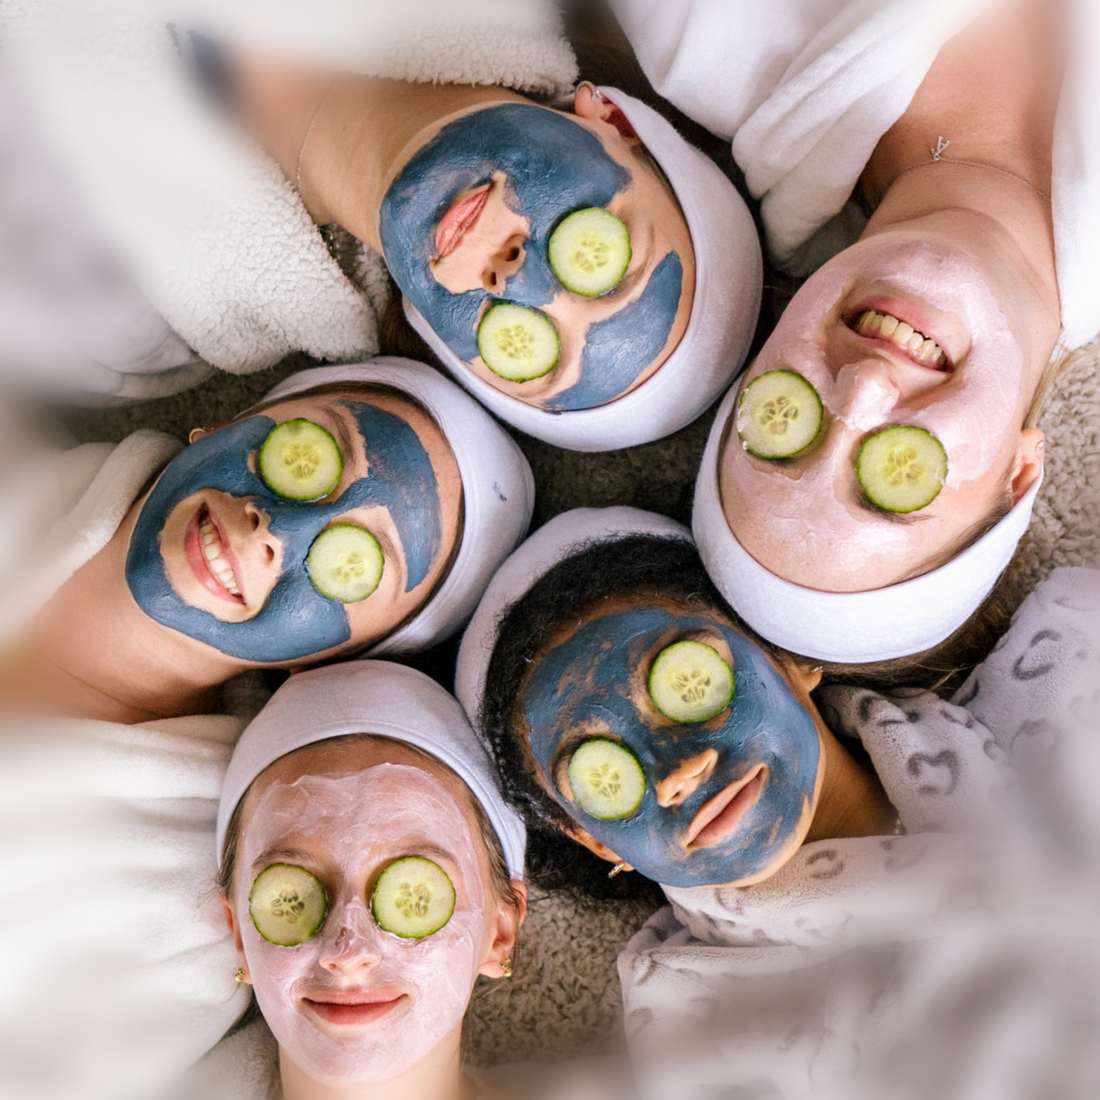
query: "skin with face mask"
352, 1005
727, 800
461, 189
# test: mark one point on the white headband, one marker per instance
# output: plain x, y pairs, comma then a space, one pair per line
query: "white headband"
847, 627
728, 285
557, 540
498, 491
372, 697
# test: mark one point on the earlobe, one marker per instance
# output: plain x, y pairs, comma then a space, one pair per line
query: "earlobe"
1029, 462
597, 847
509, 919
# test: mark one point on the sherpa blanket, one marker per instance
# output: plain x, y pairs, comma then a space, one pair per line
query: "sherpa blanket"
952, 961
205, 222
806, 88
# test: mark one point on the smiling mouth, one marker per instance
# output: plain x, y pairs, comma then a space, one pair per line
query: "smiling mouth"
355, 1009
458, 221
211, 558
720, 817
885, 328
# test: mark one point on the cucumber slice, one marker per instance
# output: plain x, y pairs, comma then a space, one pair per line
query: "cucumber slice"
902, 469
287, 904
345, 563
590, 251
413, 898
779, 415
691, 682
300, 460
606, 780
518, 343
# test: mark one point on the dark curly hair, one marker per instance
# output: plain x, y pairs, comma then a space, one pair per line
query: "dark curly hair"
653, 565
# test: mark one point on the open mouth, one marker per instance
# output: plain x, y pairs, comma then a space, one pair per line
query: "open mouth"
720, 817
459, 220
354, 1010
210, 557
886, 328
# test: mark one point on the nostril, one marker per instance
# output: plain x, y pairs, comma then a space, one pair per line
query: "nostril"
270, 552
255, 521
513, 255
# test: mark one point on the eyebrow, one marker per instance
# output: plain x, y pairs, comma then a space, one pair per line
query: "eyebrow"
280, 855
343, 436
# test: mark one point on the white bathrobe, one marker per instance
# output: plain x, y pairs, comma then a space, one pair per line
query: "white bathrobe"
117, 966
216, 240
805, 89
957, 960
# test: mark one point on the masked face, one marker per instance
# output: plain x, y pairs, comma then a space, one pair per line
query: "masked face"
353, 1003
726, 800
220, 556
901, 329
467, 224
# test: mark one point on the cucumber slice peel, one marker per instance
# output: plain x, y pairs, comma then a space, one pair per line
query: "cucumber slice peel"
779, 415
345, 563
691, 682
287, 904
517, 343
606, 780
413, 898
300, 460
902, 469
590, 251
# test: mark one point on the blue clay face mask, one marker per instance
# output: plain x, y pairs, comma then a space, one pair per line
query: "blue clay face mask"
764, 745
266, 538
534, 166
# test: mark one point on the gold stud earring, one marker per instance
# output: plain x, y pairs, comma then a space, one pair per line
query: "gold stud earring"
617, 870
506, 968
196, 434
239, 976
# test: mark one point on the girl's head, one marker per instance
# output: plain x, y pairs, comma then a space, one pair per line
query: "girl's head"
618, 253
628, 707
366, 881
349, 508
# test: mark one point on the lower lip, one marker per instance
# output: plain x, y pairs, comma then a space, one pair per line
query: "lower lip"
458, 221
192, 544
354, 1015
726, 823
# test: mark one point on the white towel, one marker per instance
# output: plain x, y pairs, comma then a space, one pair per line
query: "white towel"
806, 88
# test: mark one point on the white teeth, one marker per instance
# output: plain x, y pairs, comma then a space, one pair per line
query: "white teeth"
889, 325
215, 560
902, 335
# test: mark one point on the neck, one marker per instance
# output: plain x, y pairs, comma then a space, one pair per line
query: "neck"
98, 655
438, 1076
852, 801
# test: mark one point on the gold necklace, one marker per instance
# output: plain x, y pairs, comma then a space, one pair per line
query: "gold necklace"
942, 144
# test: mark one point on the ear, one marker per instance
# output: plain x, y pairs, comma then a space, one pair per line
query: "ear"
1029, 462
596, 847
235, 932
587, 104
506, 932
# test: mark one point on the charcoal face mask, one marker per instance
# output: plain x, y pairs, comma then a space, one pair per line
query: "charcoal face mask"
553, 167
593, 685
296, 621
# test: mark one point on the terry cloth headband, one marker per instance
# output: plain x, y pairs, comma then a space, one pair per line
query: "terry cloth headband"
554, 542
728, 285
498, 491
372, 697
847, 627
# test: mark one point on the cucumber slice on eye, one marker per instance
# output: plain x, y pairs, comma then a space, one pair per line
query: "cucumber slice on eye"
902, 469
779, 415
691, 682
345, 563
300, 460
606, 780
517, 343
413, 898
590, 251
287, 904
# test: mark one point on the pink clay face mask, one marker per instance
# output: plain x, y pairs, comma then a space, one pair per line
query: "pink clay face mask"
346, 830
811, 505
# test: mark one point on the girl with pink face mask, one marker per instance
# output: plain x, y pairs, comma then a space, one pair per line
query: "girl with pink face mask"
929, 168
361, 792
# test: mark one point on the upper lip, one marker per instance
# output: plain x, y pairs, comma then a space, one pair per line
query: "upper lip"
206, 512
912, 316
459, 220
711, 811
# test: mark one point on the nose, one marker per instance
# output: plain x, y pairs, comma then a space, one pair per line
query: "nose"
507, 258
867, 394
682, 783
352, 946
267, 543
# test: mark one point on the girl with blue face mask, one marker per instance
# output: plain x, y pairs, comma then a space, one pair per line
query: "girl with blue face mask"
566, 665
